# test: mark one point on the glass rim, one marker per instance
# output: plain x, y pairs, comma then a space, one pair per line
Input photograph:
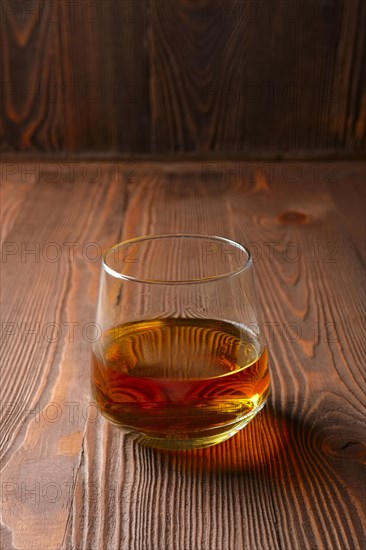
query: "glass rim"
117, 275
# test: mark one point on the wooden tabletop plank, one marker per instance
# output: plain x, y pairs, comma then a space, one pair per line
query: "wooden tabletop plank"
293, 478
15, 186
48, 297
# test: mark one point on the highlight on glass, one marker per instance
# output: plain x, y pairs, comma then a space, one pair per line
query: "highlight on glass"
181, 361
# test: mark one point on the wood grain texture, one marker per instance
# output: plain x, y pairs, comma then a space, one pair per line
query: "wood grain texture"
294, 477
275, 75
69, 83
53, 278
14, 189
163, 77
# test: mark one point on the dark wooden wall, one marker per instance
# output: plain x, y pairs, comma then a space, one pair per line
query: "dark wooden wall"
261, 77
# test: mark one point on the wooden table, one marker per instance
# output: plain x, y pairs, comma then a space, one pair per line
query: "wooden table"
292, 479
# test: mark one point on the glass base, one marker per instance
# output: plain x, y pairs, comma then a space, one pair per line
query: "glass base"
193, 440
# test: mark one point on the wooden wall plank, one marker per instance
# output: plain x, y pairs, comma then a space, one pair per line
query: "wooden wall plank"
74, 76
164, 77
105, 56
31, 61
272, 75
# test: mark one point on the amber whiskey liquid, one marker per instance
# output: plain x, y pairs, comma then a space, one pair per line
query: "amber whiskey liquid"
180, 383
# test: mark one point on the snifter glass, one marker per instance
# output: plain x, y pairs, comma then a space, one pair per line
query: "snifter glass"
181, 360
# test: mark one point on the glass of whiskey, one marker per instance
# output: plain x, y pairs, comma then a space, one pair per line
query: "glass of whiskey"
181, 360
